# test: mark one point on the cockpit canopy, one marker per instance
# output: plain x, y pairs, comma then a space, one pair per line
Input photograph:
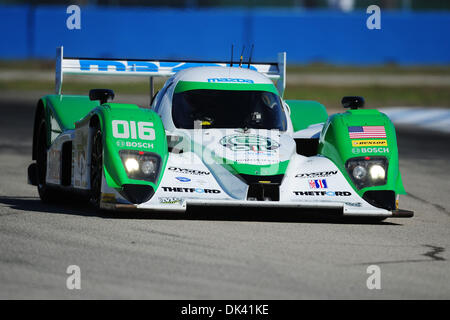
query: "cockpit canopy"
210, 108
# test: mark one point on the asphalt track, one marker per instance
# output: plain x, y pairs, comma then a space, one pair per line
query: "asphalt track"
219, 254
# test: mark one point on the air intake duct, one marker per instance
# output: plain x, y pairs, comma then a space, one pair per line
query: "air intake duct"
137, 193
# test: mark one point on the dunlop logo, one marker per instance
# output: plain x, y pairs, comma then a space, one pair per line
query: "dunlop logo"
368, 143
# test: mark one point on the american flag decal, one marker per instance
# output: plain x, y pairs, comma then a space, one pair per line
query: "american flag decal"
360, 132
318, 184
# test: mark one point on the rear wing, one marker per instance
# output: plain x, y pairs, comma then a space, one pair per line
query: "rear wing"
151, 68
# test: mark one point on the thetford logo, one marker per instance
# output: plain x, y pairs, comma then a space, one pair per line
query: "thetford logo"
235, 80
190, 190
323, 193
365, 143
252, 142
316, 174
189, 171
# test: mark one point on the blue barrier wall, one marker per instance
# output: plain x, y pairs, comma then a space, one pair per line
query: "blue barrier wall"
15, 39
307, 36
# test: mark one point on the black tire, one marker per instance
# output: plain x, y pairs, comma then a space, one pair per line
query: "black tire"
96, 167
46, 193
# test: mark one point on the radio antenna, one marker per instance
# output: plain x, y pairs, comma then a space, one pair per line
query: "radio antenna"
231, 61
250, 57
242, 56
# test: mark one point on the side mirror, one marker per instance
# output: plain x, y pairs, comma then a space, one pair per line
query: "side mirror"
104, 95
352, 102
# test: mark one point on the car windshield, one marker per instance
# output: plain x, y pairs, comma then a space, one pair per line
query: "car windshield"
227, 109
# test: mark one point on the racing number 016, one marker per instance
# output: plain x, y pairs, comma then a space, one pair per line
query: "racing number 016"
123, 129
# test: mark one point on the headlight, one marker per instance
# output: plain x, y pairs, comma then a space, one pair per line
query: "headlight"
359, 172
367, 171
377, 172
141, 165
131, 165
148, 167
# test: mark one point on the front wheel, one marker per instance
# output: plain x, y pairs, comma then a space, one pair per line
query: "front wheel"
46, 193
96, 167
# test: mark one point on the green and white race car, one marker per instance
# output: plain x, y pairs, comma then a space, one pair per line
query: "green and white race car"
216, 134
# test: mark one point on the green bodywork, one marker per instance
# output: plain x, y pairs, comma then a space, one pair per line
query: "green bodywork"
70, 112
335, 142
336, 145
114, 171
63, 111
305, 113
194, 85
258, 170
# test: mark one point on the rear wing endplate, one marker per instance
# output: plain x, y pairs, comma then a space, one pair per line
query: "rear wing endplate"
151, 68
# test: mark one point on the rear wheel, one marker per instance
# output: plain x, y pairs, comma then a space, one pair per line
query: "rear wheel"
96, 167
46, 193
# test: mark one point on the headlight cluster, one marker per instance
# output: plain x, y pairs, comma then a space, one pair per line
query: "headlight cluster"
141, 165
367, 171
